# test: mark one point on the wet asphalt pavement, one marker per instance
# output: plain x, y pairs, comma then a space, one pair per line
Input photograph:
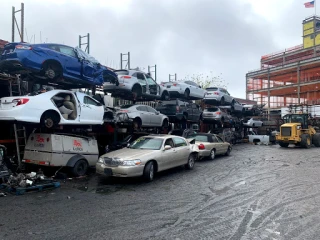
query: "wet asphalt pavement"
259, 192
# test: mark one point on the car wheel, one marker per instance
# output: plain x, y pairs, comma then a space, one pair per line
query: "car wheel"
228, 151
212, 154
137, 124
187, 93
253, 125
165, 96
191, 161
136, 92
148, 172
222, 102
80, 168
52, 70
165, 124
50, 120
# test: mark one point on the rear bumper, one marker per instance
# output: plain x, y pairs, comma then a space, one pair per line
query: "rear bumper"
113, 87
20, 115
204, 153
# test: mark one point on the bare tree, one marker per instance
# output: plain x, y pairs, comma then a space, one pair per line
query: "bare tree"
207, 80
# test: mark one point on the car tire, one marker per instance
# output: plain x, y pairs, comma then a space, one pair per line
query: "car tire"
137, 124
282, 144
80, 168
191, 161
316, 140
187, 93
222, 102
165, 96
52, 70
305, 141
50, 120
136, 92
228, 151
148, 172
165, 124
212, 154
253, 125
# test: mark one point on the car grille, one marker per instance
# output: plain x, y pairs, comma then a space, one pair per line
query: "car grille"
286, 131
111, 162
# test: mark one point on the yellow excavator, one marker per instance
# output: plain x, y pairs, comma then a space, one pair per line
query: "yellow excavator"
296, 130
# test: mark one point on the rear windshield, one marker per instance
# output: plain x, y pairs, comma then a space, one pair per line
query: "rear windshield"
212, 89
122, 72
169, 103
214, 109
199, 138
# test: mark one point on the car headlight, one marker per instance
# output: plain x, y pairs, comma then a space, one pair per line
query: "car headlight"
101, 159
131, 162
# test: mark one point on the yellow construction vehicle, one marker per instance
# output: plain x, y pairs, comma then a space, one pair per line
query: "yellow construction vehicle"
296, 130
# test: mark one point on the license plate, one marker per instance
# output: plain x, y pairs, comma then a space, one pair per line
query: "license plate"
108, 171
168, 86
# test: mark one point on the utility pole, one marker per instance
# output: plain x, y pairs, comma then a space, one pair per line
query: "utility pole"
15, 23
125, 60
154, 71
172, 75
87, 49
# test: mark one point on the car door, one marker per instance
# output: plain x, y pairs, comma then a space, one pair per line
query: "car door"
229, 96
154, 88
222, 145
91, 110
89, 69
155, 118
168, 157
143, 82
182, 149
68, 59
189, 111
144, 115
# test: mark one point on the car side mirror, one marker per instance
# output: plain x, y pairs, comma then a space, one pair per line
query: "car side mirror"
167, 147
157, 113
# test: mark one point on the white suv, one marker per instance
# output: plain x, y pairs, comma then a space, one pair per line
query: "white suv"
135, 85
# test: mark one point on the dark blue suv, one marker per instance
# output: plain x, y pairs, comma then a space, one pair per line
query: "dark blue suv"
54, 62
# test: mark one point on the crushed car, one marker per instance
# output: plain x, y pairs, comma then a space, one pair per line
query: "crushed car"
54, 62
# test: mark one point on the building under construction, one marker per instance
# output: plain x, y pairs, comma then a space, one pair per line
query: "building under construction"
291, 76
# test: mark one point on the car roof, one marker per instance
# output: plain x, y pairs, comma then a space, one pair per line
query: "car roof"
162, 136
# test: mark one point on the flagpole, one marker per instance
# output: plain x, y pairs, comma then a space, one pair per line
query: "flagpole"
315, 7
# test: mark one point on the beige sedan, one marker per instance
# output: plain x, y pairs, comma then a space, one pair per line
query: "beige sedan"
148, 155
211, 145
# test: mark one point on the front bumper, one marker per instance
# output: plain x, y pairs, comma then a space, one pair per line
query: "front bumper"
120, 171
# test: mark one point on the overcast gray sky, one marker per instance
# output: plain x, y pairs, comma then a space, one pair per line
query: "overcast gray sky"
186, 37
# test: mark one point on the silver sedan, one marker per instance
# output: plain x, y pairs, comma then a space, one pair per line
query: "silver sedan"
148, 155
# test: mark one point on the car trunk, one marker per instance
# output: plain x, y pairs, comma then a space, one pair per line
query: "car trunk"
212, 112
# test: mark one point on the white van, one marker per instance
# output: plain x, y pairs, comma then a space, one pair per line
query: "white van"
57, 150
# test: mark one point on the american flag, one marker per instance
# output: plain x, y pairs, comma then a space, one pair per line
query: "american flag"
309, 4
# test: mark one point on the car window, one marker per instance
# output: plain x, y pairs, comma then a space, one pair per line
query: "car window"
55, 48
150, 81
213, 109
135, 75
219, 138
200, 138
150, 109
147, 143
142, 108
90, 101
140, 76
169, 142
126, 106
68, 51
179, 142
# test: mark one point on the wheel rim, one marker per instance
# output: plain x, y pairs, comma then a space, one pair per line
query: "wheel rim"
49, 123
136, 125
191, 161
151, 174
81, 169
212, 154
50, 73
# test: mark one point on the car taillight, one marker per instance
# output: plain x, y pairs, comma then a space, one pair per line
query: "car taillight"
23, 47
201, 146
218, 113
175, 84
216, 93
124, 111
20, 101
126, 76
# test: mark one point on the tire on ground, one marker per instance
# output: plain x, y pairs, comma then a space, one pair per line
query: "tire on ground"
305, 141
283, 144
316, 140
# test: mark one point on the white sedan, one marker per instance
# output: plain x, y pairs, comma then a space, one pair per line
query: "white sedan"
52, 108
186, 89
253, 122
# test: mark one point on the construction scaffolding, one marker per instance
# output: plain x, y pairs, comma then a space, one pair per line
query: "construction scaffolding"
288, 77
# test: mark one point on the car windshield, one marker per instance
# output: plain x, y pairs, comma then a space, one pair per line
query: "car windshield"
199, 138
147, 143
211, 109
82, 54
212, 89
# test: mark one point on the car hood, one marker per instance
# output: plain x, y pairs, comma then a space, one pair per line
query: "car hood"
129, 154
